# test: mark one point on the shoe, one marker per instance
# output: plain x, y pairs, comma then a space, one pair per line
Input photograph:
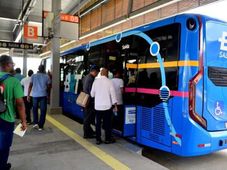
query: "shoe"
89, 136
40, 129
110, 141
98, 142
35, 126
8, 166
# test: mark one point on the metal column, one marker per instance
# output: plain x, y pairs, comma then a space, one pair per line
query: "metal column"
55, 49
25, 58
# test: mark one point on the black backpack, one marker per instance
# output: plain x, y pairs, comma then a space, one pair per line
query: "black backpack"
2, 88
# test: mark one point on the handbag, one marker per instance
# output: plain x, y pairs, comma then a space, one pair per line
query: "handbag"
83, 99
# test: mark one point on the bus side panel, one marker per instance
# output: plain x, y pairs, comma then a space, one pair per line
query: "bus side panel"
177, 116
129, 125
152, 128
194, 137
70, 106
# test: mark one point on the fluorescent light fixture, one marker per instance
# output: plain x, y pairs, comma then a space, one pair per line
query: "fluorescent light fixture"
70, 42
34, 23
46, 53
36, 43
63, 45
89, 10
134, 16
155, 8
102, 29
8, 19
114, 24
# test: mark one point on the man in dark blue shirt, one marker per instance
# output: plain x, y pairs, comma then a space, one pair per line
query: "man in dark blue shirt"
89, 112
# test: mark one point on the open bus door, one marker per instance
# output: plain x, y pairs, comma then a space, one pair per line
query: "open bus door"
129, 95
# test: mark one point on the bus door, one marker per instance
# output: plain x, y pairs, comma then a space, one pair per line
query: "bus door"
152, 120
129, 95
215, 76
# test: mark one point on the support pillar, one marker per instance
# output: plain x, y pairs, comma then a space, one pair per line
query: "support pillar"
25, 58
55, 57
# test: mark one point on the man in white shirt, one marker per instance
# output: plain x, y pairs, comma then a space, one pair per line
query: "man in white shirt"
25, 82
118, 118
105, 96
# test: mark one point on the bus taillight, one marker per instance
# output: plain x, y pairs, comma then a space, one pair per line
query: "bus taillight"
192, 96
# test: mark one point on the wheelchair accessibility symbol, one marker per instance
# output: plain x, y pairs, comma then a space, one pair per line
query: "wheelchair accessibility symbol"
219, 108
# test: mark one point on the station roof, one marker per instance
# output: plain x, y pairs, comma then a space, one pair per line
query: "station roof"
13, 13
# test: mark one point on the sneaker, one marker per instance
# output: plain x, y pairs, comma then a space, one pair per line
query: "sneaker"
40, 129
110, 141
98, 142
35, 126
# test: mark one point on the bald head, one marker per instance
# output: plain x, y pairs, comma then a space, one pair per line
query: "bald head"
104, 72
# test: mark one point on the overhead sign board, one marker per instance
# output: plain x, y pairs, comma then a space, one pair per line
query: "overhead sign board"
64, 17
30, 32
5, 44
69, 28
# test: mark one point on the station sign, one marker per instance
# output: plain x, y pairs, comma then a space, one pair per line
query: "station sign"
30, 32
64, 17
26, 46
69, 28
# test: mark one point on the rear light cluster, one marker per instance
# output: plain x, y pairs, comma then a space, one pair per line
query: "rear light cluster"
192, 95
192, 85
204, 145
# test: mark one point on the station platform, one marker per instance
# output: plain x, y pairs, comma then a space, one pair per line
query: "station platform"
60, 146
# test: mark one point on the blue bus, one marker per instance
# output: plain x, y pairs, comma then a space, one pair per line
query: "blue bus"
175, 82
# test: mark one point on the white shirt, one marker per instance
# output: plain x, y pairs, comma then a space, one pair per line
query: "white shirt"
26, 82
104, 93
118, 85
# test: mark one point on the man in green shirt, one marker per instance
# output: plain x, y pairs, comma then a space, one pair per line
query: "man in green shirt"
13, 95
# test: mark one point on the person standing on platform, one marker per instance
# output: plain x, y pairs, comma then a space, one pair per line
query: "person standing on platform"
18, 74
118, 83
39, 86
105, 96
25, 82
89, 112
13, 95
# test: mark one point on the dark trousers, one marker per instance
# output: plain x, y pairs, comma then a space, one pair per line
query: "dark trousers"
42, 102
28, 107
118, 120
105, 116
89, 118
6, 139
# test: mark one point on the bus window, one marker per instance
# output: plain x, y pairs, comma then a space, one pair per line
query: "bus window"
150, 76
129, 57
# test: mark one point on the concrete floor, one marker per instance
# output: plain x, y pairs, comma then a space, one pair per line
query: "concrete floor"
214, 161
51, 149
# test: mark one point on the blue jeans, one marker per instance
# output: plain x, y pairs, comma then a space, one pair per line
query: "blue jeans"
6, 139
42, 102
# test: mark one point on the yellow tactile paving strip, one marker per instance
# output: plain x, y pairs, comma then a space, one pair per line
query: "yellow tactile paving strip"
103, 156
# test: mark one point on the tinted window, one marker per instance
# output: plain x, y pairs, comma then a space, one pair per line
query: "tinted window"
168, 39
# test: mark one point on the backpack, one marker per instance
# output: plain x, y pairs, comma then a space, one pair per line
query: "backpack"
2, 88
